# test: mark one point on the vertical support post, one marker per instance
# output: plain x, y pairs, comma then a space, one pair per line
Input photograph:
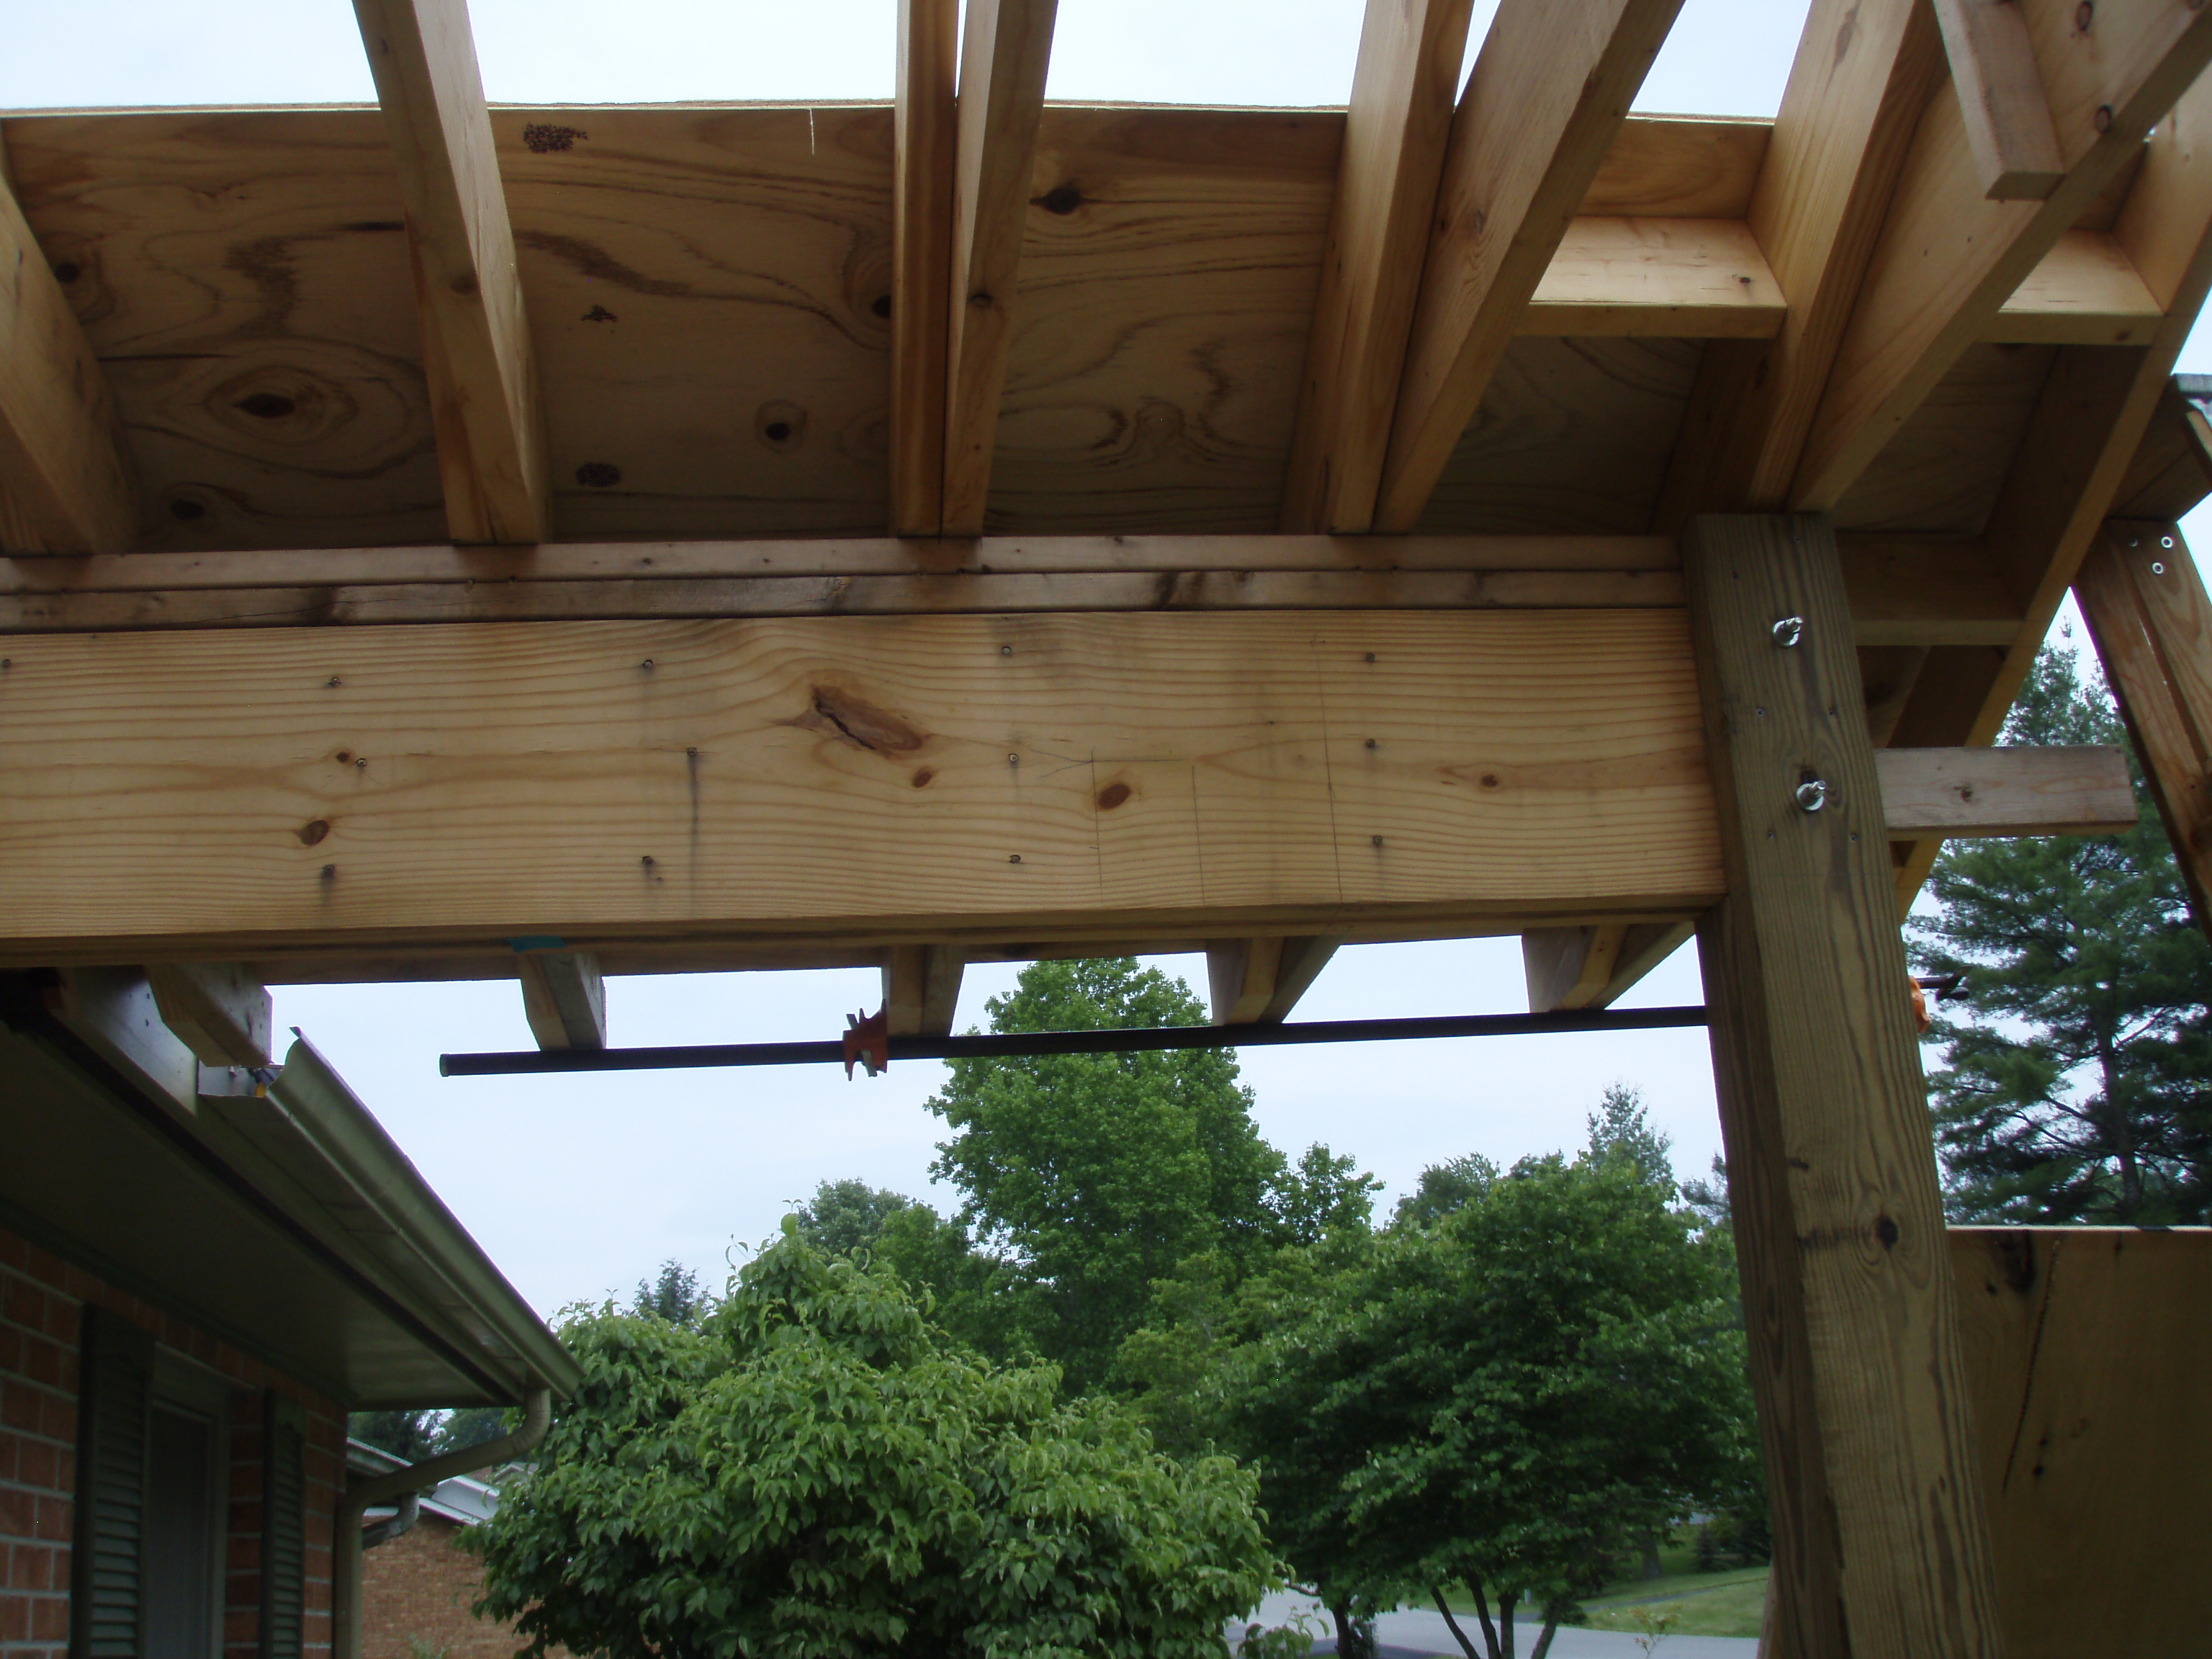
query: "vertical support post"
1881, 1547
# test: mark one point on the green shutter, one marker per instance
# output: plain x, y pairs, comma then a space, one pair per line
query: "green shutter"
283, 1527
106, 1587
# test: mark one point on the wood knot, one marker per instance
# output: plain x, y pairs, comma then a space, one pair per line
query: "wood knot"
1112, 795
311, 832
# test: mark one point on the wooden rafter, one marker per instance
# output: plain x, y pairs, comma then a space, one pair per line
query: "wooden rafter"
1004, 57
1949, 257
64, 486
925, 133
1549, 91
1999, 89
1403, 90
477, 350
921, 989
564, 998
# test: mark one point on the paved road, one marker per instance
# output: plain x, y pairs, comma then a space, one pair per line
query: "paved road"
1419, 1634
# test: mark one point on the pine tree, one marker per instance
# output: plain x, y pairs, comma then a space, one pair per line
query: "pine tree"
2076, 1081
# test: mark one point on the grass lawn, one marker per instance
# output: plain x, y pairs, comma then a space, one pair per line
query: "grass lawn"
1683, 1603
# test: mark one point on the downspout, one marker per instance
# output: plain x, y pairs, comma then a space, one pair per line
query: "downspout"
406, 1486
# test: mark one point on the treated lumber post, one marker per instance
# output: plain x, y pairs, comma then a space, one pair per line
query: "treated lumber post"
921, 989
1004, 57
1881, 1544
65, 487
217, 1009
924, 127
476, 352
2146, 611
564, 999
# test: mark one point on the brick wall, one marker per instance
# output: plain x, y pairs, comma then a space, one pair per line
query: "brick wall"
416, 1593
41, 1300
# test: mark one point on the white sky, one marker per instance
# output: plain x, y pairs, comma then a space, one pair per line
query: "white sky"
580, 1188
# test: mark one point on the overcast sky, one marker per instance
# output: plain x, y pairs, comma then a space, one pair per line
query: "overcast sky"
581, 1187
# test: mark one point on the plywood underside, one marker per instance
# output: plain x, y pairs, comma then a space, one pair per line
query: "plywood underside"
709, 290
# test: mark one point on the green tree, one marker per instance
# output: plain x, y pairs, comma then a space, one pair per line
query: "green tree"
410, 1435
813, 1472
1443, 1189
674, 1295
1098, 1174
1504, 1396
845, 1216
2076, 1081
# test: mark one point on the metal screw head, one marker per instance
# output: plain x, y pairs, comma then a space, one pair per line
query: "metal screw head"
1789, 631
2166, 542
1812, 795
1005, 650
2157, 568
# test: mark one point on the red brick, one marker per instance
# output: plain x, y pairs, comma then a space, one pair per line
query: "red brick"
38, 1464
53, 1519
50, 1619
19, 1512
14, 1618
57, 1420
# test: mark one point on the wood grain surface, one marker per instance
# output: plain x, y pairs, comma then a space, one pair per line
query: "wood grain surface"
2087, 1348
202, 792
2043, 790
1881, 1544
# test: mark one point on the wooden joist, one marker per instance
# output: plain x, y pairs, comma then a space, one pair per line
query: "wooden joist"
2026, 791
924, 134
1549, 90
476, 350
921, 989
1999, 89
1004, 56
1402, 93
219, 1010
1590, 966
564, 998
1259, 980
1881, 1542
2146, 611
941, 777
1949, 257
64, 484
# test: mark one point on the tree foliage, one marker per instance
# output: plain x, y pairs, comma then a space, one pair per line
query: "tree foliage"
674, 1295
1092, 1175
2076, 1084
813, 1472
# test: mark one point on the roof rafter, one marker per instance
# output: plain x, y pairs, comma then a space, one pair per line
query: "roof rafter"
476, 353
1549, 91
925, 130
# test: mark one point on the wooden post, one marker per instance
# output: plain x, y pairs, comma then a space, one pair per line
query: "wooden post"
1881, 1544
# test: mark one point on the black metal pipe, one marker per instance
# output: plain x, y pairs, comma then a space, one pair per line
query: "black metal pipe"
1113, 1041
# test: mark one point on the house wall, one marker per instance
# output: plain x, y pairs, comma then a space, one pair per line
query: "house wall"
41, 1303
416, 1593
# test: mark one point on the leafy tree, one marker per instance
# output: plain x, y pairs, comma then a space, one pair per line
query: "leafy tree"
675, 1296
1323, 1194
1621, 1128
1503, 1395
1443, 1189
1098, 1174
410, 1435
2077, 1084
844, 1216
812, 1472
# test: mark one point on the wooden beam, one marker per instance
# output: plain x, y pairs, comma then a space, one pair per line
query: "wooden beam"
1684, 279
2000, 91
1949, 257
564, 998
2146, 608
1926, 591
1215, 776
219, 1010
925, 128
476, 353
1260, 980
2086, 1348
1881, 1544
2172, 469
113, 1011
1004, 57
921, 989
1590, 967
2085, 291
1549, 90
2087, 427
1862, 74
1403, 87
2054, 791
64, 485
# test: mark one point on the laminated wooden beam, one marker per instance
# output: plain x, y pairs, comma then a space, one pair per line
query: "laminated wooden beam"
925, 130
1547, 98
477, 351
2000, 92
1212, 775
1004, 57
2146, 611
921, 989
64, 484
1948, 256
2058, 790
1862, 74
219, 1010
1403, 88
1882, 1546
564, 998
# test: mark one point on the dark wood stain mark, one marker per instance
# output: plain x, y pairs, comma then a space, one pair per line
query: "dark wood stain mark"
596, 263
863, 725
598, 475
599, 314
542, 137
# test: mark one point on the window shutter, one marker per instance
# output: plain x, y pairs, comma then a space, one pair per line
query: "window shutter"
115, 1379
283, 1527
